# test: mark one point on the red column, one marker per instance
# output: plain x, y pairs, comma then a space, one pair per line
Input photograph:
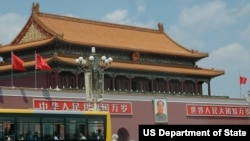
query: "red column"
113, 82
209, 88
196, 87
77, 85
130, 83
49, 80
182, 86
152, 84
57, 79
168, 86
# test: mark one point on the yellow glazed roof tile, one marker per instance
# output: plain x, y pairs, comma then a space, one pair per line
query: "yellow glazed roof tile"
108, 35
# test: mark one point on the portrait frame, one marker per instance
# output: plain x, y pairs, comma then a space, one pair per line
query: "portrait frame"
165, 111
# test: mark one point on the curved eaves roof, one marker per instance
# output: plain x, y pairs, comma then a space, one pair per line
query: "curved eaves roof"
156, 68
115, 36
9, 48
130, 66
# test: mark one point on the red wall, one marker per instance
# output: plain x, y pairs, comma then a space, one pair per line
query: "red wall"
27, 80
142, 114
177, 115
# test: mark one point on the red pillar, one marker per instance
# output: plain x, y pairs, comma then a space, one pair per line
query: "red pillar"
152, 84
113, 82
76, 75
130, 83
196, 87
209, 88
182, 86
57, 79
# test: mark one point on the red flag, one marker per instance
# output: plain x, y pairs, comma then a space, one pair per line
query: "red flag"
17, 63
41, 64
243, 80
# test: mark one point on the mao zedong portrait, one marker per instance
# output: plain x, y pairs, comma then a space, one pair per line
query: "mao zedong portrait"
160, 115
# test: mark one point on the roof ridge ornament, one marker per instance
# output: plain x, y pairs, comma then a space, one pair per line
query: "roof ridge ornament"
160, 27
58, 35
35, 8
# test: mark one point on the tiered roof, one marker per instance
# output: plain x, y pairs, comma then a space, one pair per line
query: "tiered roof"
43, 28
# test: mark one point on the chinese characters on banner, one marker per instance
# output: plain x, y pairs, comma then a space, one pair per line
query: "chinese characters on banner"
217, 110
119, 108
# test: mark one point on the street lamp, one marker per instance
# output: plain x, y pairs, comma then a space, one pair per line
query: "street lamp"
93, 67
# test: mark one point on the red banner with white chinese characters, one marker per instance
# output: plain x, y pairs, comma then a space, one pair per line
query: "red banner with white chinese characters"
117, 108
217, 110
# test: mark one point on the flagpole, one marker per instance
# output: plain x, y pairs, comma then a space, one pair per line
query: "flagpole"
35, 72
12, 85
240, 90
240, 84
12, 69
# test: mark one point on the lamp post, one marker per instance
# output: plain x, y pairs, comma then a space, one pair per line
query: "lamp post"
93, 67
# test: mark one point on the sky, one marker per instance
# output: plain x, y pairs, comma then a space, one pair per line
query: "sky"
220, 28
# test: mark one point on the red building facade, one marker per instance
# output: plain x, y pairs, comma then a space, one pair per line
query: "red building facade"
128, 112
